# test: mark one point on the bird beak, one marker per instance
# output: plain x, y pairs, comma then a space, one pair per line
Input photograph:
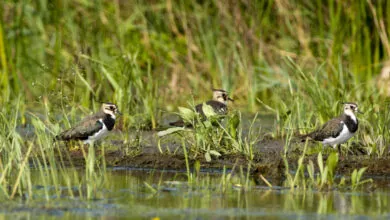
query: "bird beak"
118, 112
230, 99
360, 112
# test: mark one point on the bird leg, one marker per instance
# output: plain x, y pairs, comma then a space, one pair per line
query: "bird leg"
339, 149
340, 152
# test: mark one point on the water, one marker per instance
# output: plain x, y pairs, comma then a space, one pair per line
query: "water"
148, 194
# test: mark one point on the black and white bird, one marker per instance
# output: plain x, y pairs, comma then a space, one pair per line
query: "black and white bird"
338, 130
93, 127
218, 104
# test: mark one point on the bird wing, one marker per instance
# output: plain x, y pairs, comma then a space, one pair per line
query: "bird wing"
81, 131
218, 107
91, 119
178, 123
331, 128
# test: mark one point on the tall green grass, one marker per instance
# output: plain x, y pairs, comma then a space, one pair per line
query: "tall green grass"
150, 56
49, 160
310, 100
298, 59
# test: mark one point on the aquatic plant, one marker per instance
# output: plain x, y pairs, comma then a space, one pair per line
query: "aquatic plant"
14, 169
219, 134
49, 160
356, 178
150, 60
325, 178
327, 172
144, 55
311, 100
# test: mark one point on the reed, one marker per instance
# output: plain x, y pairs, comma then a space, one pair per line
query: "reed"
295, 59
142, 55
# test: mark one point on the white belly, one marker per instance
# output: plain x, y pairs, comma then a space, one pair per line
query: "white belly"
344, 136
102, 133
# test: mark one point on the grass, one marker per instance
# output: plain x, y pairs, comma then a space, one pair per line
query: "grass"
296, 59
149, 58
218, 135
144, 56
44, 157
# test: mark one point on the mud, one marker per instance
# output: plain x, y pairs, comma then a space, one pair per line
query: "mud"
267, 157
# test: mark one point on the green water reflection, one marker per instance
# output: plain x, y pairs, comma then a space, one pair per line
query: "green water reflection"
168, 196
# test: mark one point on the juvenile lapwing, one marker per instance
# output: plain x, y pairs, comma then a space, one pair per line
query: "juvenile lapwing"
337, 130
218, 104
93, 127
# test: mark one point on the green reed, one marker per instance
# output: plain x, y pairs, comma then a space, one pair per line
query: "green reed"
150, 57
14, 168
142, 55
212, 137
311, 100
50, 161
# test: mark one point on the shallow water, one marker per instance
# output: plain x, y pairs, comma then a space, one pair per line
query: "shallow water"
126, 193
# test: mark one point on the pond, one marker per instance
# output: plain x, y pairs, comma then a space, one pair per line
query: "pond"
155, 194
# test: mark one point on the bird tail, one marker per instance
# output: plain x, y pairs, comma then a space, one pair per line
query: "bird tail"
303, 137
57, 138
178, 123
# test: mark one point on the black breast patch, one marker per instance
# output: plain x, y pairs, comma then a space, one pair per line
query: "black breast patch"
351, 125
109, 122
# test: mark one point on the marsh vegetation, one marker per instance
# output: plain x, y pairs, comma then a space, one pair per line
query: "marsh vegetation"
287, 64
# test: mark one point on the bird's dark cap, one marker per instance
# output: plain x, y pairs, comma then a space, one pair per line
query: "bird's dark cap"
351, 103
218, 90
108, 103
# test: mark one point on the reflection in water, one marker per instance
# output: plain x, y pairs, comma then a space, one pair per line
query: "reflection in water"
167, 195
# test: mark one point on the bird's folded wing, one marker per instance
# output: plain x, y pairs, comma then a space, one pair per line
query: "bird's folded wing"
82, 131
218, 107
330, 129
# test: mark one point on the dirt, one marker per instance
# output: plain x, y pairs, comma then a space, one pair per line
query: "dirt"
267, 158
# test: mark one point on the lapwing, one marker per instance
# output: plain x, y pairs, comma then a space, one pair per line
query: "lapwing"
93, 127
218, 104
337, 130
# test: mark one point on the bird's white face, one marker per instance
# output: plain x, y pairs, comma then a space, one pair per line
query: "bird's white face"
350, 107
110, 109
221, 96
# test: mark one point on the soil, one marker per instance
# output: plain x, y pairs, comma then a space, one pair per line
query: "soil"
267, 160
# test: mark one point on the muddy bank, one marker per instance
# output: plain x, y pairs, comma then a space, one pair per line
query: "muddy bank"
269, 161
267, 158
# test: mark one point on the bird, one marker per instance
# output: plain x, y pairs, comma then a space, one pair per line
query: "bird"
337, 130
218, 104
93, 127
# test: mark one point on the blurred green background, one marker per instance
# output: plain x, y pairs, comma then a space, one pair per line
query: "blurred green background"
152, 56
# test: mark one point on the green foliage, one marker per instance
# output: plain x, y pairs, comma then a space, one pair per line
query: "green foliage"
327, 173
213, 135
40, 153
143, 55
356, 178
187, 115
62, 56
325, 178
208, 111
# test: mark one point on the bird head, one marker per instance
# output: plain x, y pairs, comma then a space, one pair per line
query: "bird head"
351, 107
221, 95
110, 109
